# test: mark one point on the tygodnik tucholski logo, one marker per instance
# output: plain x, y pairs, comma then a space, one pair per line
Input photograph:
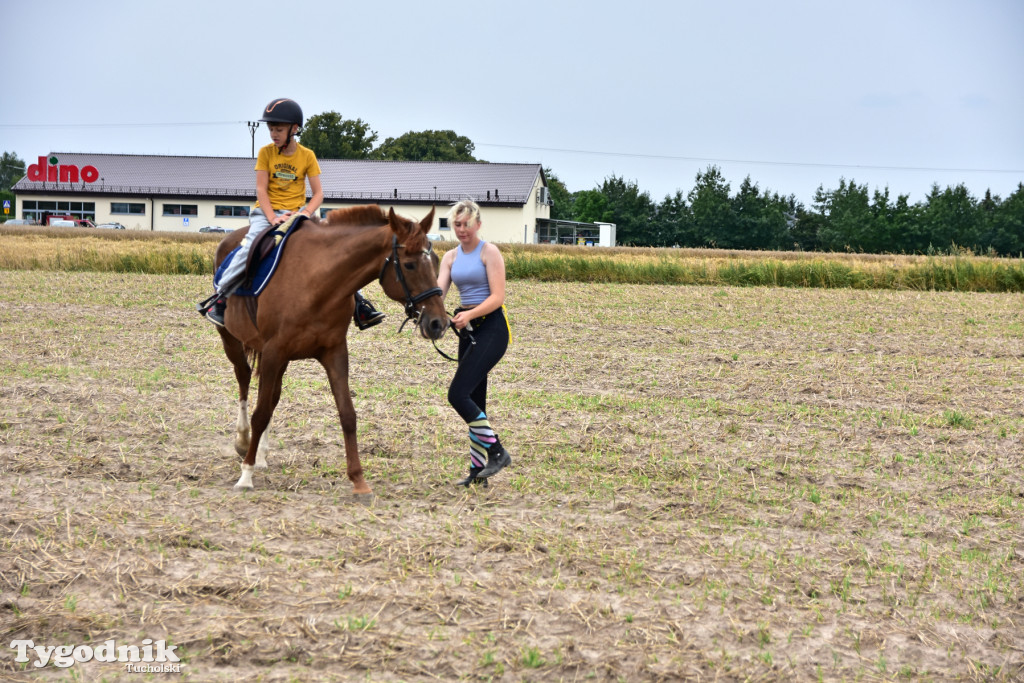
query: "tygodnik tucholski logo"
150, 657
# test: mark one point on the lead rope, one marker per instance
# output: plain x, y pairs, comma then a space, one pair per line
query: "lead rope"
467, 332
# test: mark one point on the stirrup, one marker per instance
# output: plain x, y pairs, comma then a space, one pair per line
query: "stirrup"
374, 318
206, 304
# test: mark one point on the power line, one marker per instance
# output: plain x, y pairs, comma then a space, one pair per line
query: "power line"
631, 155
120, 125
666, 157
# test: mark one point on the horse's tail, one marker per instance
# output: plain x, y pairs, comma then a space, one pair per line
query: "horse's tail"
254, 357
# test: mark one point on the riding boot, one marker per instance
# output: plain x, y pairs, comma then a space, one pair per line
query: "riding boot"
472, 478
215, 314
497, 459
366, 315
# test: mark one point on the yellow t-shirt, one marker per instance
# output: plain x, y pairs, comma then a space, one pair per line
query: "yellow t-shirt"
288, 174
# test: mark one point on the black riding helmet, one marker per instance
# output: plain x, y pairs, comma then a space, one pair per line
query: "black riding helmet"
283, 110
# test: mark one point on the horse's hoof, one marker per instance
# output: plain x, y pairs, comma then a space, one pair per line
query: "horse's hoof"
365, 498
243, 489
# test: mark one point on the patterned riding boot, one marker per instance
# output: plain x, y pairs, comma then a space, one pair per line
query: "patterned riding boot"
485, 443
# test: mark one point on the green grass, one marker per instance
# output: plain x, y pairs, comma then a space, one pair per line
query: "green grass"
189, 254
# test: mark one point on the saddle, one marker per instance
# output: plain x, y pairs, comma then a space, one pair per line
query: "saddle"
267, 242
263, 258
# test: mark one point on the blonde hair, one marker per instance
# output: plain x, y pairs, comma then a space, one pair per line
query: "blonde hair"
466, 206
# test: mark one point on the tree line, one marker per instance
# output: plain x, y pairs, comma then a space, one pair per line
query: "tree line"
847, 218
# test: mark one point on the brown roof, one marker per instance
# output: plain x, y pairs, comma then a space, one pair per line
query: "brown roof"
342, 179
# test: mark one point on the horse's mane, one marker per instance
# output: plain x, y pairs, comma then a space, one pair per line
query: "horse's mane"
357, 216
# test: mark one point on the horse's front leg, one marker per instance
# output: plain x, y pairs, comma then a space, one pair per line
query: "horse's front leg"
271, 373
335, 363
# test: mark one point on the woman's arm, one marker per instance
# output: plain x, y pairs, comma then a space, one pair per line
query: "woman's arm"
444, 272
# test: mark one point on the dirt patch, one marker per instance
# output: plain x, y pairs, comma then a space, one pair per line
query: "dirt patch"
709, 483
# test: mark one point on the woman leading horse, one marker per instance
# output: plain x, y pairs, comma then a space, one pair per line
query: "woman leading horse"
305, 309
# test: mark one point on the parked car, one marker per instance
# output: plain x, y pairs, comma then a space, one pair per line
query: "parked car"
20, 221
62, 224
111, 226
80, 222
213, 228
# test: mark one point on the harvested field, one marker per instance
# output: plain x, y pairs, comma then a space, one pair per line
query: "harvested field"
708, 484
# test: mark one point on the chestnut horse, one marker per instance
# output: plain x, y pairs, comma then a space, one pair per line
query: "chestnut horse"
304, 312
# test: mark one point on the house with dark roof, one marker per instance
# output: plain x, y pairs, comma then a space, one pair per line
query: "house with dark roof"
181, 193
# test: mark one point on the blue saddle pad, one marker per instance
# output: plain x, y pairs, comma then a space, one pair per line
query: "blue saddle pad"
264, 269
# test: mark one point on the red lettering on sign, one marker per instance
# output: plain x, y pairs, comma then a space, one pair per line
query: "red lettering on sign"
45, 172
37, 172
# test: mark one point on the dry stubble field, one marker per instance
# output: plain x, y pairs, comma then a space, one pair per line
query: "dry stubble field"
709, 484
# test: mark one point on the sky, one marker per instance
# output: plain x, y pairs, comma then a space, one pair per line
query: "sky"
897, 94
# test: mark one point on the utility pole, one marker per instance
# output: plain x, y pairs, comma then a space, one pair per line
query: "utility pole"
253, 125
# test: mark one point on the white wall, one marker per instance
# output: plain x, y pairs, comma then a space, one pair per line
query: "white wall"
500, 224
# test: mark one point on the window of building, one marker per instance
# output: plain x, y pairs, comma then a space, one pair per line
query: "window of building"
181, 209
231, 211
442, 224
127, 209
38, 211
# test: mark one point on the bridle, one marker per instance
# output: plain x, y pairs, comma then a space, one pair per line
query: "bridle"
412, 313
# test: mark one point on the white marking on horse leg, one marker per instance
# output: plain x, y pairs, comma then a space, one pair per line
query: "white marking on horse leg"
245, 481
243, 416
263, 449
242, 428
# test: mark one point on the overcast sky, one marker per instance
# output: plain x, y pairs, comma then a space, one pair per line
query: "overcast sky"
796, 94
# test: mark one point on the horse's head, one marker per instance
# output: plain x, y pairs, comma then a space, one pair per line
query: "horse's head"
409, 275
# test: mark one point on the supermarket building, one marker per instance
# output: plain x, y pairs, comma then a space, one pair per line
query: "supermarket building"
184, 194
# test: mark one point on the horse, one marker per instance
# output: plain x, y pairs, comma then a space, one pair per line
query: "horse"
305, 309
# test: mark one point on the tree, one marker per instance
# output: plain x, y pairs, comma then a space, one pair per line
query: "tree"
674, 222
1007, 223
332, 137
713, 217
804, 233
429, 145
848, 217
950, 218
760, 220
631, 210
591, 206
561, 198
12, 169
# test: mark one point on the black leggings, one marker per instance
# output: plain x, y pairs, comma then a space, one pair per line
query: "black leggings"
468, 391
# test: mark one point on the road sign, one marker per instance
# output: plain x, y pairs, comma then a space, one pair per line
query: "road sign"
186, 221
7, 203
